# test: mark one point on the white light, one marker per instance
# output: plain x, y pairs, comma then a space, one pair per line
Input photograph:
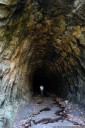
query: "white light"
41, 88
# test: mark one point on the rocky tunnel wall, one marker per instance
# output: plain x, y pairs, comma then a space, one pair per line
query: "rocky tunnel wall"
46, 39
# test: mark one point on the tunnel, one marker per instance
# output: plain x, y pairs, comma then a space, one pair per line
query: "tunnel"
51, 81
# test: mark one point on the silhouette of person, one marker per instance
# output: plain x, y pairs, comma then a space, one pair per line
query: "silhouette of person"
41, 90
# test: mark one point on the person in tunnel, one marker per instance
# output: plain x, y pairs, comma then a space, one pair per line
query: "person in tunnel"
42, 90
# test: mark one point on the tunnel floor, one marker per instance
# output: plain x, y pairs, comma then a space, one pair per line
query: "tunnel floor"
47, 112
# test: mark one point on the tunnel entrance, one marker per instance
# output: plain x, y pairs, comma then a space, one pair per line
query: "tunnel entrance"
51, 81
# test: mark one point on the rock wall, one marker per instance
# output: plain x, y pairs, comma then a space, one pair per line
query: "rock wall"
47, 34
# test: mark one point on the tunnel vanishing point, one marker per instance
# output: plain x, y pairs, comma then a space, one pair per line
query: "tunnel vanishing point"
42, 42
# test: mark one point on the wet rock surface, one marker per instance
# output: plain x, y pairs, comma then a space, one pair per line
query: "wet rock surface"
48, 113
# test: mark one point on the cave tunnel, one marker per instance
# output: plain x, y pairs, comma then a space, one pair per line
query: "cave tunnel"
51, 81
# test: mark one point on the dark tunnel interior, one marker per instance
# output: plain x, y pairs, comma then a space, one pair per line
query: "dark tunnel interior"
51, 81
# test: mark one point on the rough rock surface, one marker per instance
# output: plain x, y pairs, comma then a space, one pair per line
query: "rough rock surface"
48, 113
36, 34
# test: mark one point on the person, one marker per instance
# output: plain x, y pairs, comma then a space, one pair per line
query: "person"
41, 90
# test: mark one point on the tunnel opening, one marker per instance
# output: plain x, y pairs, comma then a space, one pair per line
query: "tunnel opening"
51, 81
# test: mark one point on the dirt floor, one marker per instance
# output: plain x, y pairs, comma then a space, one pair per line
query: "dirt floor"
47, 112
